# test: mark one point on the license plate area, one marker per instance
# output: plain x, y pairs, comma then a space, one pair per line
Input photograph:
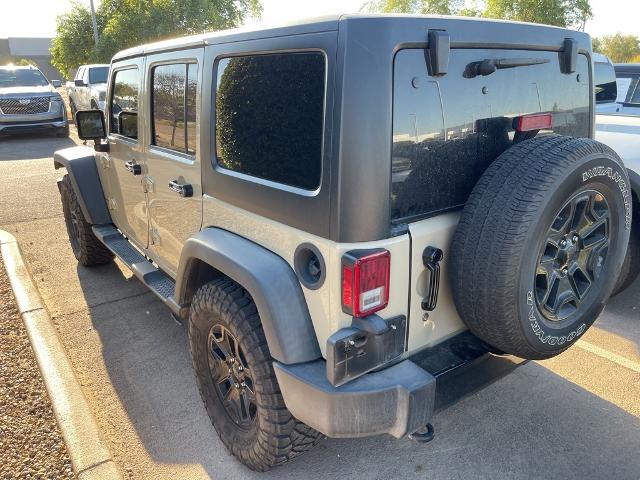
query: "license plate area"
367, 344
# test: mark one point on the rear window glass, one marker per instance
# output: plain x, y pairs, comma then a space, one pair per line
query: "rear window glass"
447, 130
98, 74
269, 117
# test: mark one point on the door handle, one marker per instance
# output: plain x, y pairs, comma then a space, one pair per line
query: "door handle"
431, 258
182, 189
133, 167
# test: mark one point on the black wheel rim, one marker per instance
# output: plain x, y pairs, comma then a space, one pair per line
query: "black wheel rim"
231, 376
73, 228
572, 255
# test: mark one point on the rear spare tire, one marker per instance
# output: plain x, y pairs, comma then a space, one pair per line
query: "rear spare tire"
540, 244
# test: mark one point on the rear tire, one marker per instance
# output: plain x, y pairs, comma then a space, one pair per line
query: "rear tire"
540, 243
87, 249
227, 342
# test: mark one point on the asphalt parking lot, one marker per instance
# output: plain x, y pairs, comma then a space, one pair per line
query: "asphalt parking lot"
575, 416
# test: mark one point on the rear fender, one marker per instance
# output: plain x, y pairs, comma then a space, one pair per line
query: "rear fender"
269, 280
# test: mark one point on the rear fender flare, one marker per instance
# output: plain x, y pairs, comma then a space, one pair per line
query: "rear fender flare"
269, 280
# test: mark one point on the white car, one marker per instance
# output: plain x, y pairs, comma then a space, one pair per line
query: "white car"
618, 126
88, 89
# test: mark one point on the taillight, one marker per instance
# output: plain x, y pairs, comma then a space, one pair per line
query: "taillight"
365, 281
536, 121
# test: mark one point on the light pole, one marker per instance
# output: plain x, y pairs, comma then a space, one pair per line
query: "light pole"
95, 24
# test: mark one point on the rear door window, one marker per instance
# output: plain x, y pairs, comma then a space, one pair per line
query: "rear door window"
174, 106
447, 130
269, 117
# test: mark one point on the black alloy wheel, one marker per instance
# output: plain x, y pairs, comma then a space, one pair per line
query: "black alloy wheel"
572, 255
231, 376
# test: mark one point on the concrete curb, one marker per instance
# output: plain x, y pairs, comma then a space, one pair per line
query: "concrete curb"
90, 457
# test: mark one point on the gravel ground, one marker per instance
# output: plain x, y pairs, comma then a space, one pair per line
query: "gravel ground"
31, 445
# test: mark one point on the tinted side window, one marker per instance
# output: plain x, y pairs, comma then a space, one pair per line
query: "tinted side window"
174, 106
605, 82
124, 99
269, 117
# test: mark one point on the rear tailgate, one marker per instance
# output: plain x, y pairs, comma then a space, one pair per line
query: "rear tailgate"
446, 132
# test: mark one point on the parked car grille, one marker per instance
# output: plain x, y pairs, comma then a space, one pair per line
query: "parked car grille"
24, 105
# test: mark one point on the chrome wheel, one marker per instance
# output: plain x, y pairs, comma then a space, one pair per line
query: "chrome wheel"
231, 376
572, 255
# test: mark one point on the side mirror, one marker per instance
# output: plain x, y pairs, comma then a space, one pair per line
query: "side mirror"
128, 124
90, 125
56, 83
79, 82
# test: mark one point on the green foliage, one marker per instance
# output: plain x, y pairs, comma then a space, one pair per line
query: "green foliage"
127, 23
561, 13
564, 13
437, 7
618, 47
74, 39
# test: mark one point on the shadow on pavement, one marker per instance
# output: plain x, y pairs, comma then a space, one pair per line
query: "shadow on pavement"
14, 147
530, 424
623, 316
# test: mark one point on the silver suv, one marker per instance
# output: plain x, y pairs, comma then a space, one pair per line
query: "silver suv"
29, 103
351, 214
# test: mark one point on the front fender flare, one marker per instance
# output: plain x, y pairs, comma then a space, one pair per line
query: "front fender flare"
270, 281
80, 163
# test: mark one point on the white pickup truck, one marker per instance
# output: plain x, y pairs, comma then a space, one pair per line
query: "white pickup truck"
88, 89
621, 132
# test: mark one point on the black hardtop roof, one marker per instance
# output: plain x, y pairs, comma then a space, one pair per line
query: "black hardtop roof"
627, 67
462, 29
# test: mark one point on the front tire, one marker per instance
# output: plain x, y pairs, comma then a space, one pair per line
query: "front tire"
236, 380
87, 249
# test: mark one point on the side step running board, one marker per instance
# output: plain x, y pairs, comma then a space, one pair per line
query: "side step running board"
156, 280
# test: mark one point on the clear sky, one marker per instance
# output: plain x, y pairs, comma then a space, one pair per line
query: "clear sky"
36, 18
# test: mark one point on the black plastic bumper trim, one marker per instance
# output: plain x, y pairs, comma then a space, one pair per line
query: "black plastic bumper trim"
397, 400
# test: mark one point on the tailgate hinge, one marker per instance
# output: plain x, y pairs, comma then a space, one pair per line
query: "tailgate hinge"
437, 52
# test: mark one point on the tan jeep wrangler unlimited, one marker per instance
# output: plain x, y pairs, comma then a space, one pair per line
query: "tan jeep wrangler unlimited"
346, 210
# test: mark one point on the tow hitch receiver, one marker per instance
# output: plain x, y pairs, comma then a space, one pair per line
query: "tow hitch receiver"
424, 434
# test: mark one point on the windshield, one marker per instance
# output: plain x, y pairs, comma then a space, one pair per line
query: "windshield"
98, 75
21, 78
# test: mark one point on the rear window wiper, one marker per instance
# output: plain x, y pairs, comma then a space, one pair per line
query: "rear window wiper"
489, 65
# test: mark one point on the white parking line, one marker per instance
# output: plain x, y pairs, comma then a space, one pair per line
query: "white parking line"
612, 357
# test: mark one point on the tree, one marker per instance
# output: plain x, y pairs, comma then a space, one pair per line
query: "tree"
437, 7
127, 23
619, 48
73, 42
563, 13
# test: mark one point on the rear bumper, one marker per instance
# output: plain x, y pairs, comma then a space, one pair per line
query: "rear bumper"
397, 400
